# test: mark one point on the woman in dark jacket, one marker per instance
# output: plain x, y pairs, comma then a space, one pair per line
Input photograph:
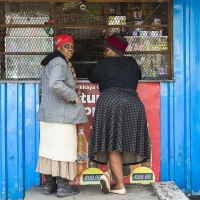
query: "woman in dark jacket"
119, 132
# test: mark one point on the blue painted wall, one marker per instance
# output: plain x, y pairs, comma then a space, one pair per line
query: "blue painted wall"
180, 102
19, 138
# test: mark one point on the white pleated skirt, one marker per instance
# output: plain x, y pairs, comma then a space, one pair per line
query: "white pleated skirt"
58, 150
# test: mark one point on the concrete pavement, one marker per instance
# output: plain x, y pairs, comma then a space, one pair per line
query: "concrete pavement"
154, 191
93, 192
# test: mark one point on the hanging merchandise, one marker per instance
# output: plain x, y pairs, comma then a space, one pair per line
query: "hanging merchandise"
137, 11
49, 30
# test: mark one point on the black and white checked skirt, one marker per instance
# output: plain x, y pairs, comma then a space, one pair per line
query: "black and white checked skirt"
119, 124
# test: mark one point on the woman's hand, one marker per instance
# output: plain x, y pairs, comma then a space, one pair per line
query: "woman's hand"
77, 100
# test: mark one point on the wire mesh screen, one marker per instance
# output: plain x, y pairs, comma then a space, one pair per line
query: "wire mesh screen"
24, 42
28, 31
23, 67
26, 13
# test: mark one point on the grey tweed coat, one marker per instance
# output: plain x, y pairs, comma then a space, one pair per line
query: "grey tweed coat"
58, 94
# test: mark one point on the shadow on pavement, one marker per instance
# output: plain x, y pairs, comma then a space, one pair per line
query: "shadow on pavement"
194, 197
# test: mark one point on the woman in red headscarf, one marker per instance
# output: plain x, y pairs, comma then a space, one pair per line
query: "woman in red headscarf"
59, 112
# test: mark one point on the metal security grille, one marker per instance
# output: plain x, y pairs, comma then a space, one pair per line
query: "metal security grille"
23, 39
28, 30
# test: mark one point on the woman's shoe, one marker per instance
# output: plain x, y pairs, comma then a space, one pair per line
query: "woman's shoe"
105, 182
64, 189
119, 191
49, 185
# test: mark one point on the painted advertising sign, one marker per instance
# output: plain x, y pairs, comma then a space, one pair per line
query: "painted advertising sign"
89, 172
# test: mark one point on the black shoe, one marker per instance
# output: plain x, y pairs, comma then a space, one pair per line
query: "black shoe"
49, 190
49, 185
64, 189
67, 191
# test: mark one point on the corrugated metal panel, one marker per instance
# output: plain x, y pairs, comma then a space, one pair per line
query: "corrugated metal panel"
195, 94
3, 186
19, 137
180, 102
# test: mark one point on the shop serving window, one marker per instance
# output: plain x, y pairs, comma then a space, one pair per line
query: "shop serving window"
28, 30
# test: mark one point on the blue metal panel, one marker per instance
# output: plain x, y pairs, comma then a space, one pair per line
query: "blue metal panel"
182, 100
167, 133
19, 137
195, 94
12, 141
180, 116
174, 105
31, 134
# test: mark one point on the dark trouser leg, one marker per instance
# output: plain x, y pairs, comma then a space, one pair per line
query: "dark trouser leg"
49, 185
64, 189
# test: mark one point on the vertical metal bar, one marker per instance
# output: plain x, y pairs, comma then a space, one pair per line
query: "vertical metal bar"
3, 146
171, 131
20, 139
187, 124
37, 132
194, 67
2, 41
179, 92
32, 177
164, 130
167, 132
170, 32
54, 15
106, 6
12, 142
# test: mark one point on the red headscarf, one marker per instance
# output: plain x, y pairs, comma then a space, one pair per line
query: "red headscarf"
61, 39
